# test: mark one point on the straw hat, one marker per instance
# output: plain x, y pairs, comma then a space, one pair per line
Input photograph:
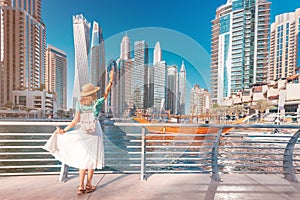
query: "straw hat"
88, 89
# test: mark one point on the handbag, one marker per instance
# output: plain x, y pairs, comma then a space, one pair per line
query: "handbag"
88, 122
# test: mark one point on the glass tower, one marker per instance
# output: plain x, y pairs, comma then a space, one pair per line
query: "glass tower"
139, 74
172, 90
81, 29
97, 58
159, 80
182, 89
239, 47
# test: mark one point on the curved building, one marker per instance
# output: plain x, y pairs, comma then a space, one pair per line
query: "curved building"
97, 58
81, 29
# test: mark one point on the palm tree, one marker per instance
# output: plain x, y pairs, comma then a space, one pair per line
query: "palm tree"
61, 114
261, 106
28, 110
237, 110
9, 105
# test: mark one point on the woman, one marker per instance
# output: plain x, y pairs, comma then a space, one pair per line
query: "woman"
83, 147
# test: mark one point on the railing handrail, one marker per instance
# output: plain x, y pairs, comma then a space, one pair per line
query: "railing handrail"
212, 145
64, 123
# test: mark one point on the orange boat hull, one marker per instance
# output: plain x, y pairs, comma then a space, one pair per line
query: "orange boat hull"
169, 132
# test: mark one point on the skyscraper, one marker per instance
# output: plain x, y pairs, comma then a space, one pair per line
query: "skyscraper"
159, 80
239, 47
56, 76
200, 100
81, 29
125, 48
284, 41
125, 66
182, 89
139, 74
122, 84
172, 100
23, 48
97, 58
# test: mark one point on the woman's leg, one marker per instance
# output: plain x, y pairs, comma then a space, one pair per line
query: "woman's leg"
81, 177
90, 177
89, 187
81, 181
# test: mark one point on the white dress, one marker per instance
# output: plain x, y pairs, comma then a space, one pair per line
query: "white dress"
78, 149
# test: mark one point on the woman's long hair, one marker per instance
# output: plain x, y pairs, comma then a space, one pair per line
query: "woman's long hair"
88, 100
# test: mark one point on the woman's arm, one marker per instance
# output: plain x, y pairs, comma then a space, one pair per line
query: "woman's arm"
108, 87
71, 125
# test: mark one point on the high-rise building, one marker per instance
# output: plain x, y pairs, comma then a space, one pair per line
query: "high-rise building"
182, 89
200, 100
122, 84
56, 76
125, 48
239, 47
172, 100
157, 55
139, 74
284, 45
23, 48
81, 29
159, 80
97, 59
125, 64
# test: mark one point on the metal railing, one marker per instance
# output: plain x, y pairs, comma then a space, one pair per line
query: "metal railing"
131, 148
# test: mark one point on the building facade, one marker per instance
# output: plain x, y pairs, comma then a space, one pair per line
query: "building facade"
200, 101
284, 46
56, 76
139, 79
81, 30
182, 89
122, 84
97, 59
23, 48
239, 47
159, 80
39, 104
172, 98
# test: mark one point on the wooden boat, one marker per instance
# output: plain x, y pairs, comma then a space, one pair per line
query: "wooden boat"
172, 132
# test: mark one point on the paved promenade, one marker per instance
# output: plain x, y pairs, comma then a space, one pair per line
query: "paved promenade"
157, 187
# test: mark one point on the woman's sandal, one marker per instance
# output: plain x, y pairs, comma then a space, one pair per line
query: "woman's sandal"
80, 190
90, 188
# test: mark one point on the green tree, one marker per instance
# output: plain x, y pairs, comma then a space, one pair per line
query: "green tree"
28, 110
238, 109
8, 105
261, 106
61, 113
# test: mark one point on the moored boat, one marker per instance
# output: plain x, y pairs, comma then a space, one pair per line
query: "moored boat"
173, 132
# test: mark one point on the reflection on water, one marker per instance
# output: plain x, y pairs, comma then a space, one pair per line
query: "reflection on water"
27, 129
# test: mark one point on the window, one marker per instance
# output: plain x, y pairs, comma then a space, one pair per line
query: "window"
22, 100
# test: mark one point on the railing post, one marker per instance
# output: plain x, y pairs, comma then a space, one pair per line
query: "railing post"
288, 167
63, 172
214, 158
143, 145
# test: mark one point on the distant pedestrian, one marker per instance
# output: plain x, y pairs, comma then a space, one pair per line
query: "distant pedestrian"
83, 147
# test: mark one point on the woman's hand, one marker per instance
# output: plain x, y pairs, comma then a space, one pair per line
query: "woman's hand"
59, 131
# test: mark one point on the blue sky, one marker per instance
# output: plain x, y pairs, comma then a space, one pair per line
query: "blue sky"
183, 29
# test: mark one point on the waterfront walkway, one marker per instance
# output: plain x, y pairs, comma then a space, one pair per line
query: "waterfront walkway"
157, 187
